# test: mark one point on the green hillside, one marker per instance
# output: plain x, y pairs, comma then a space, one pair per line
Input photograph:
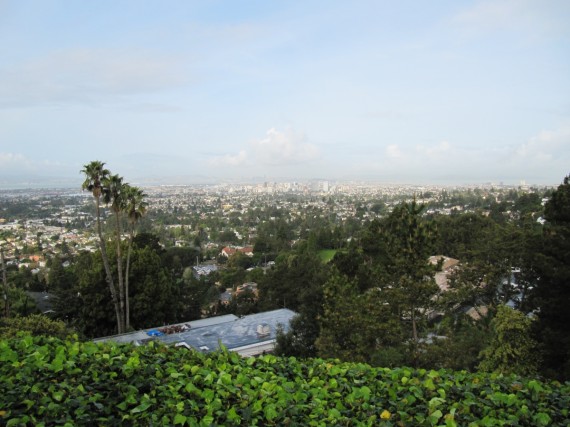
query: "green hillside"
46, 381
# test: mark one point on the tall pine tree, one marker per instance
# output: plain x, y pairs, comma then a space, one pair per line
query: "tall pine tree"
552, 293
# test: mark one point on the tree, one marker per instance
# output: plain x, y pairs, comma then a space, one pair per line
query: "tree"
470, 285
296, 283
465, 237
354, 325
135, 208
57, 276
408, 275
155, 296
384, 281
87, 304
300, 340
512, 349
239, 260
459, 342
95, 175
35, 324
124, 201
551, 295
5, 284
113, 194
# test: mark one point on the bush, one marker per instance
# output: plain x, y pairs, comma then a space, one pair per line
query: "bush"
47, 381
35, 324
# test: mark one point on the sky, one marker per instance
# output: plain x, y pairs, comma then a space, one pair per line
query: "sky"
439, 92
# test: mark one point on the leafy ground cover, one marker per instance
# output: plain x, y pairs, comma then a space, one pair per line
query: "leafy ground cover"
47, 381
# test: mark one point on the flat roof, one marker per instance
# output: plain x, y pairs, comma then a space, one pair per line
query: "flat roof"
130, 337
207, 334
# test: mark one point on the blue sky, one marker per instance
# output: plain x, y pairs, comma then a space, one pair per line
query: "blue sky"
405, 92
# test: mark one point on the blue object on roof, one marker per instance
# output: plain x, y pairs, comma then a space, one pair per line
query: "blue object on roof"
248, 335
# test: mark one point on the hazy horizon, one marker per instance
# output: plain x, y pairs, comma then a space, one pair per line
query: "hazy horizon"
450, 93
37, 182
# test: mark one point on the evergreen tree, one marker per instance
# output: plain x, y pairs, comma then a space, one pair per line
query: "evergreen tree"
296, 283
552, 291
355, 325
408, 275
512, 349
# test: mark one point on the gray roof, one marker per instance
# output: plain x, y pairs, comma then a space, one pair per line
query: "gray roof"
43, 300
231, 331
133, 337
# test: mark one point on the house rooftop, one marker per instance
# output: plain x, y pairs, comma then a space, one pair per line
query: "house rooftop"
247, 335
43, 300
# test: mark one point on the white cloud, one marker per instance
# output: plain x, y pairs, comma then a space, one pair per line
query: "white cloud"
283, 148
435, 150
545, 18
150, 107
13, 162
544, 147
86, 76
228, 160
19, 164
393, 151
276, 149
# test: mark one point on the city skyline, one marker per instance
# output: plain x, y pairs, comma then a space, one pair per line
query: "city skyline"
446, 93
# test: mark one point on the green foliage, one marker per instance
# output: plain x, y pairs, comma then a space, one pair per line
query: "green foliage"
35, 324
83, 299
512, 349
464, 237
299, 341
552, 293
355, 325
157, 296
296, 283
21, 304
458, 346
240, 260
403, 269
46, 381
327, 254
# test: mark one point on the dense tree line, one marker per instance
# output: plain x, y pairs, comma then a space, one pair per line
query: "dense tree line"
376, 301
160, 291
380, 305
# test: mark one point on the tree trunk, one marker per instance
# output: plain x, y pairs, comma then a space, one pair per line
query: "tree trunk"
5, 282
127, 268
110, 282
414, 327
120, 269
415, 337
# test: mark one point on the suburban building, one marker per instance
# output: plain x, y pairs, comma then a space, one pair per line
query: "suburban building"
247, 335
228, 251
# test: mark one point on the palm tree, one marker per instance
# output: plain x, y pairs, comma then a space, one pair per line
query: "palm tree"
114, 195
95, 175
5, 283
135, 208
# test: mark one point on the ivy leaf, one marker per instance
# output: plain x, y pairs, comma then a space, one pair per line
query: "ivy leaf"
542, 419
140, 408
270, 412
234, 416
179, 419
